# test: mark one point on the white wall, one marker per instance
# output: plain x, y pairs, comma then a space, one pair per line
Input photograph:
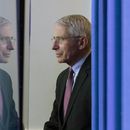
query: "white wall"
8, 11
44, 68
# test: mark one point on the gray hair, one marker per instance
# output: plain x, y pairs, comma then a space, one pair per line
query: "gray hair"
4, 21
77, 25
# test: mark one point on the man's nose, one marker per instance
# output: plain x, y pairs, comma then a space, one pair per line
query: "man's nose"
55, 45
10, 45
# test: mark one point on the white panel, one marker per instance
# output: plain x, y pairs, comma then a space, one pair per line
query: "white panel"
44, 68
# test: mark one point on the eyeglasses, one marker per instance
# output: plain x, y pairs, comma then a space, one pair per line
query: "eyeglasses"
7, 39
61, 39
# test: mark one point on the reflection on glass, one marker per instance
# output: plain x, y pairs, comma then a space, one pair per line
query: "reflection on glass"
8, 116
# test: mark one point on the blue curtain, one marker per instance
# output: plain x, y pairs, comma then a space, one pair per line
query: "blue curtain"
110, 65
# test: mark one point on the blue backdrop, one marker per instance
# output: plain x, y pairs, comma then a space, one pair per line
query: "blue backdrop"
110, 64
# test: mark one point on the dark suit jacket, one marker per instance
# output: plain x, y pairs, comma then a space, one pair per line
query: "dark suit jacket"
78, 115
10, 118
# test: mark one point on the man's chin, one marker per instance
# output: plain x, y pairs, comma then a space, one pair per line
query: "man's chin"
60, 61
4, 61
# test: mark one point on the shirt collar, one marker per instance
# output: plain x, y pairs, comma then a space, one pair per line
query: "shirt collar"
76, 67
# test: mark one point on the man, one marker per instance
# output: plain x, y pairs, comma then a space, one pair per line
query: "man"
8, 115
72, 45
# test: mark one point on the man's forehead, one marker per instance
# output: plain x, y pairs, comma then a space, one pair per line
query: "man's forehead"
6, 30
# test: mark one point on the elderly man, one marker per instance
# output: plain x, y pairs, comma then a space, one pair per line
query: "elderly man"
8, 115
72, 45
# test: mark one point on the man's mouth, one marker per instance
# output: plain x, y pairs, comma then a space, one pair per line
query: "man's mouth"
58, 55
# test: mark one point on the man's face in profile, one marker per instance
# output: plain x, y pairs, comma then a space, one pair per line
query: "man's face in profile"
67, 49
6, 42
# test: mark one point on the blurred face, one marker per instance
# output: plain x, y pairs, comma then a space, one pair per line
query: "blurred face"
66, 47
6, 43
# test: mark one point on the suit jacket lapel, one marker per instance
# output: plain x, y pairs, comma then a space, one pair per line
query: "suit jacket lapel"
79, 81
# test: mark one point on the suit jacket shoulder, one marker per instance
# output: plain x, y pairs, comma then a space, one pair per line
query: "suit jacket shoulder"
5, 81
4, 74
10, 117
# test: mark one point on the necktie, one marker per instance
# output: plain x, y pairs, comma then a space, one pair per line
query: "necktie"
68, 90
1, 104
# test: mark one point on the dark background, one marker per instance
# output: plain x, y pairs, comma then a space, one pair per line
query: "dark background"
20, 31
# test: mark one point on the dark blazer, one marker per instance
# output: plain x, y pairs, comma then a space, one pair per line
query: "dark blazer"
10, 119
78, 116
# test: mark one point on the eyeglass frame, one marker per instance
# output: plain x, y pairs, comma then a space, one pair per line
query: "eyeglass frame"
7, 39
61, 39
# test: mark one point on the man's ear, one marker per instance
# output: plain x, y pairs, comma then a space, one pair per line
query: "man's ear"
83, 42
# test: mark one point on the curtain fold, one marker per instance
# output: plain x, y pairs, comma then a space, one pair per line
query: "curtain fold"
110, 30
126, 65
